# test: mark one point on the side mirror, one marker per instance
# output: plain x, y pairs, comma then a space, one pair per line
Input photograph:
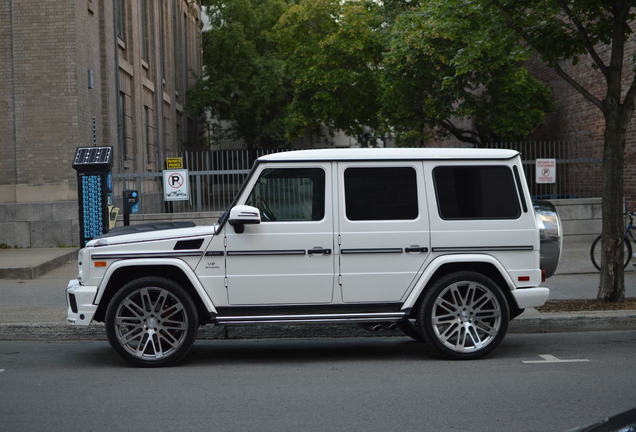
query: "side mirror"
242, 215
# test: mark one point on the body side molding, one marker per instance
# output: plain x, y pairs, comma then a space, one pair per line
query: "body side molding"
482, 248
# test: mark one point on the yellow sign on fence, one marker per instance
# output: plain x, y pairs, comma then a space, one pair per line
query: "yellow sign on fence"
174, 163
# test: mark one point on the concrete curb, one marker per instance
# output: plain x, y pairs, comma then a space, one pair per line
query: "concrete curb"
546, 323
38, 270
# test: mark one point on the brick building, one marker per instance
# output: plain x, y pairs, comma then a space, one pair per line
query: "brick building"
87, 72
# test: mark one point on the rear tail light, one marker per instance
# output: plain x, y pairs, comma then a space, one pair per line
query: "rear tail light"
543, 278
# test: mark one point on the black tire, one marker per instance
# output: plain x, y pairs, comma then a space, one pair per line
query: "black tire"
595, 252
156, 312
471, 321
411, 331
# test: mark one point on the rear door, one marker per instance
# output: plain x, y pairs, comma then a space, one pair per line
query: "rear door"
383, 229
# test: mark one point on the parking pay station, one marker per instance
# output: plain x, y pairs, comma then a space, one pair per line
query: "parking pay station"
94, 187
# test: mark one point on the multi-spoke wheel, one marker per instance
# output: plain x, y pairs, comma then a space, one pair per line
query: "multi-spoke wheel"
464, 315
151, 322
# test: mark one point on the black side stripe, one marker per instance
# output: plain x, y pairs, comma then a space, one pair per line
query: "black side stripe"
371, 251
266, 252
146, 255
214, 253
482, 248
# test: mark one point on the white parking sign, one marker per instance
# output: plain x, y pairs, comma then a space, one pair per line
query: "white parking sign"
546, 171
175, 185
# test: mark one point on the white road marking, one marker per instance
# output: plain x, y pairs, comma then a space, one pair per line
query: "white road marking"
2, 370
549, 358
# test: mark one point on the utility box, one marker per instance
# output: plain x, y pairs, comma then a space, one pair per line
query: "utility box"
94, 190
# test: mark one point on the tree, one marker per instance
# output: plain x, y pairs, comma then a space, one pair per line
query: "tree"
332, 50
562, 32
446, 63
243, 80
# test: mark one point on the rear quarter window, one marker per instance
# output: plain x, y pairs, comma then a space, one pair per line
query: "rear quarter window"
476, 192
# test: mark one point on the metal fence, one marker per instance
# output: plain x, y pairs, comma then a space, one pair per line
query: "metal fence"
576, 177
215, 177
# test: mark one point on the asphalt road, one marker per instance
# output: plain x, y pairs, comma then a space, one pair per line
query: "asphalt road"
384, 384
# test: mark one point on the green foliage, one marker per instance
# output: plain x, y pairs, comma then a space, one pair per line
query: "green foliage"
451, 60
244, 81
332, 50
278, 70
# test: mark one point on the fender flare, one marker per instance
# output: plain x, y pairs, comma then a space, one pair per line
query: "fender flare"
452, 259
172, 262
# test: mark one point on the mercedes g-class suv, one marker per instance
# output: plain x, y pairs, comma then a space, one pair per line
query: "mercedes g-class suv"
445, 243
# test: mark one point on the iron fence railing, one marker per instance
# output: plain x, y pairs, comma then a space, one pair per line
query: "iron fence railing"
215, 177
576, 177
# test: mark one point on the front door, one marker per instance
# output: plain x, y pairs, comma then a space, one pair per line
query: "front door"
287, 258
383, 228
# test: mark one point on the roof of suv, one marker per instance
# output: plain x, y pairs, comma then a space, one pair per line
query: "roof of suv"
389, 153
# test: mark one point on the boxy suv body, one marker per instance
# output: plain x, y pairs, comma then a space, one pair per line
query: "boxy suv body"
444, 243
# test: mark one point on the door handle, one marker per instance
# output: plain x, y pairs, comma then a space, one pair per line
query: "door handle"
318, 251
415, 248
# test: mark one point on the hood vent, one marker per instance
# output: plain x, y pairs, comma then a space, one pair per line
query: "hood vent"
188, 244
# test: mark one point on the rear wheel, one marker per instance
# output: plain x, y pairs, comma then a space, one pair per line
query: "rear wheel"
151, 322
597, 249
464, 315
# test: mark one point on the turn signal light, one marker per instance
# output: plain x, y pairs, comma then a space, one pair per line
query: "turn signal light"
100, 264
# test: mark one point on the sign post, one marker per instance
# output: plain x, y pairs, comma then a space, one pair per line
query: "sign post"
175, 185
545, 171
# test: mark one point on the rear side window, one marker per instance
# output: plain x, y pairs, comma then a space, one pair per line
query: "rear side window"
380, 193
476, 192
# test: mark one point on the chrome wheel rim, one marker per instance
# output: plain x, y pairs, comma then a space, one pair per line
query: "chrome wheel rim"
466, 316
151, 323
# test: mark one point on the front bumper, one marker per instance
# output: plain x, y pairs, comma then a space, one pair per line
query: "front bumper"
531, 297
79, 300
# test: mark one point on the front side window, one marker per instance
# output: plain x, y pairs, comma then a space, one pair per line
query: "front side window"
289, 194
380, 193
476, 192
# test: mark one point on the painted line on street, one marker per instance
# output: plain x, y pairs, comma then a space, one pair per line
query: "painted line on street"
2, 370
549, 358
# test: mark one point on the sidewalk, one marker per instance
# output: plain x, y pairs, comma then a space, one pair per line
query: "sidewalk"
32, 263
33, 306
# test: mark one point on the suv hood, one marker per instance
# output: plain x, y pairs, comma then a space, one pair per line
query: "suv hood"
150, 232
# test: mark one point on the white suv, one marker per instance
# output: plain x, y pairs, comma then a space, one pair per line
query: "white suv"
444, 242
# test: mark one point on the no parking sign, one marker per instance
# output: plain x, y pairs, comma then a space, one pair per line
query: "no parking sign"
175, 185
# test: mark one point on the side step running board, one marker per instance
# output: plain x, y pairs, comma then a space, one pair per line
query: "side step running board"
315, 318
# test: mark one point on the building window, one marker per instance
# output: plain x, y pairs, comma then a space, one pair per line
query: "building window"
476, 192
148, 136
145, 31
162, 35
380, 193
176, 45
122, 125
120, 19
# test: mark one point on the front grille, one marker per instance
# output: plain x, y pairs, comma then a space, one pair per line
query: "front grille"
72, 302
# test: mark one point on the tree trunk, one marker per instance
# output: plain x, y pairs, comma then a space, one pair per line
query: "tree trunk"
612, 283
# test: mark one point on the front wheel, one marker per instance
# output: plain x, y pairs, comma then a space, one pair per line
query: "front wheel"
464, 315
151, 322
597, 249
